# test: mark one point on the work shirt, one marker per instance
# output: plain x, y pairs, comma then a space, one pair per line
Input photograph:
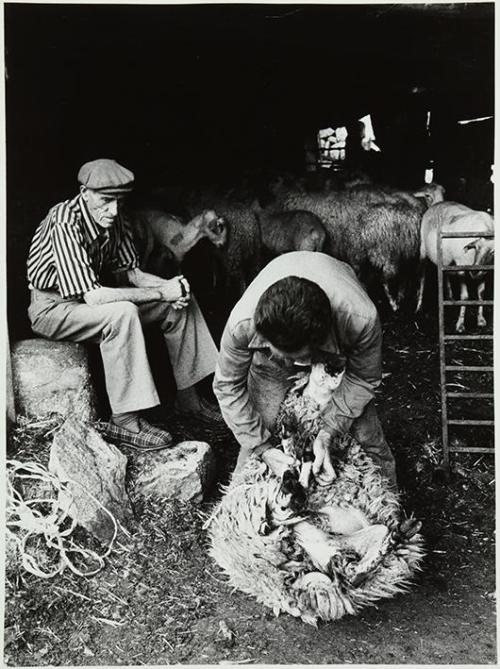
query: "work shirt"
356, 332
70, 251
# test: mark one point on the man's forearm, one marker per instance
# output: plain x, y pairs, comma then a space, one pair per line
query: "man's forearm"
141, 279
104, 295
230, 388
348, 403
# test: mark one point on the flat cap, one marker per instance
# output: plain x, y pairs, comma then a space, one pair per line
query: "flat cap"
106, 176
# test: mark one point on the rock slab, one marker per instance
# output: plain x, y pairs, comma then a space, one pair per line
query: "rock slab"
184, 472
94, 470
52, 377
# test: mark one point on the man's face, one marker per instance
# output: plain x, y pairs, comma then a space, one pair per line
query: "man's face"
300, 357
102, 207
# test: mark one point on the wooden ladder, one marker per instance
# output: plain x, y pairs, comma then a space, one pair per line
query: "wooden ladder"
444, 339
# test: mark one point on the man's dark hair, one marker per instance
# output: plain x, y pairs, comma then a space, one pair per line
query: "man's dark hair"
292, 313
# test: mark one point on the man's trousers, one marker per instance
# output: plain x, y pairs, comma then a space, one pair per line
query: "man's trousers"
117, 327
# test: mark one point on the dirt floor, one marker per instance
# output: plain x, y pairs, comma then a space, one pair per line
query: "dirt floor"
161, 599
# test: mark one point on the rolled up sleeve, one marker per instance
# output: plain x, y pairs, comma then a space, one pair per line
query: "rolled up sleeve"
231, 389
363, 375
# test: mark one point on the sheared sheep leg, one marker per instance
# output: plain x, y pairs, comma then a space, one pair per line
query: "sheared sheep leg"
305, 474
343, 520
322, 467
392, 301
481, 320
464, 295
372, 544
316, 543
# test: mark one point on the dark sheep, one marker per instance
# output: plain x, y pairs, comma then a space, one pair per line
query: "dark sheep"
241, 255
285, 231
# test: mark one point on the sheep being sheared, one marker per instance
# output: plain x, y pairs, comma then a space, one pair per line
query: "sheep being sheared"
454, 217
367, 227
320, 551
163, 240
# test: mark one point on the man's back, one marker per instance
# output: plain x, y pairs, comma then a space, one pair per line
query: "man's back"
336, 278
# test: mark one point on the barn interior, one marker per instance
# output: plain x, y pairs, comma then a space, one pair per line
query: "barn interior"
209, 93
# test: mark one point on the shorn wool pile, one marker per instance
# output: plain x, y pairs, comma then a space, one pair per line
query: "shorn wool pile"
319, 555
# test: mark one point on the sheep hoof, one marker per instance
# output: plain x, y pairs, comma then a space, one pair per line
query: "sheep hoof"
481, 322
407, 529
315, 589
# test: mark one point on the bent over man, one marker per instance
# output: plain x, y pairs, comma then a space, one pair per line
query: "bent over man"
82, 249
299, 302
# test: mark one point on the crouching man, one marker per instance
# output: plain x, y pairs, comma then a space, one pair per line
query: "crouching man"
299, 302
75, 251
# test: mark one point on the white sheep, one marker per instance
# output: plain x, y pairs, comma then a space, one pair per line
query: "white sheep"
455, 217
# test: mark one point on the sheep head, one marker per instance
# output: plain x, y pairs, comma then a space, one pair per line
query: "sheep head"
484, 254
214, 227
432, 194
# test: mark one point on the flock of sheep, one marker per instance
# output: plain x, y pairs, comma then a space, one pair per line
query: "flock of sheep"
381, 232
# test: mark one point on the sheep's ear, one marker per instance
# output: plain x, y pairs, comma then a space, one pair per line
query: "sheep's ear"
471, 245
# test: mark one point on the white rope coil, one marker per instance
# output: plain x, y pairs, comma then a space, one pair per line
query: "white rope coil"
27, 521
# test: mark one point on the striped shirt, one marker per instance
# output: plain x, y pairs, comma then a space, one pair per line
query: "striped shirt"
69, 250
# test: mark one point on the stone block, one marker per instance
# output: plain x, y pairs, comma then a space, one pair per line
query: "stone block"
184, 472
94, 470
52, 377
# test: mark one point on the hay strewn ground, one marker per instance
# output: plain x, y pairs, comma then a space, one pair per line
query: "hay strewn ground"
161, 600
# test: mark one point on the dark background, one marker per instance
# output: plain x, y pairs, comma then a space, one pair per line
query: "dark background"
201, 93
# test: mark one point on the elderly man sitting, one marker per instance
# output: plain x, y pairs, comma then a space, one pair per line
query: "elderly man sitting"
75, 251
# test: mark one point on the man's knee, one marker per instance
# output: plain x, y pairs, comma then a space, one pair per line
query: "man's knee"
170, 318
122, 309
367, 428
121, 314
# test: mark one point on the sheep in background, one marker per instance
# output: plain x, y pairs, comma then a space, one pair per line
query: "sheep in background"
255, 234
163, 240
241, 253
455, 217
366, 226
432, 194
285, 231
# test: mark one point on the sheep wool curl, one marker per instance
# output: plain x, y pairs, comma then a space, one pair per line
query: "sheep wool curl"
271, 568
